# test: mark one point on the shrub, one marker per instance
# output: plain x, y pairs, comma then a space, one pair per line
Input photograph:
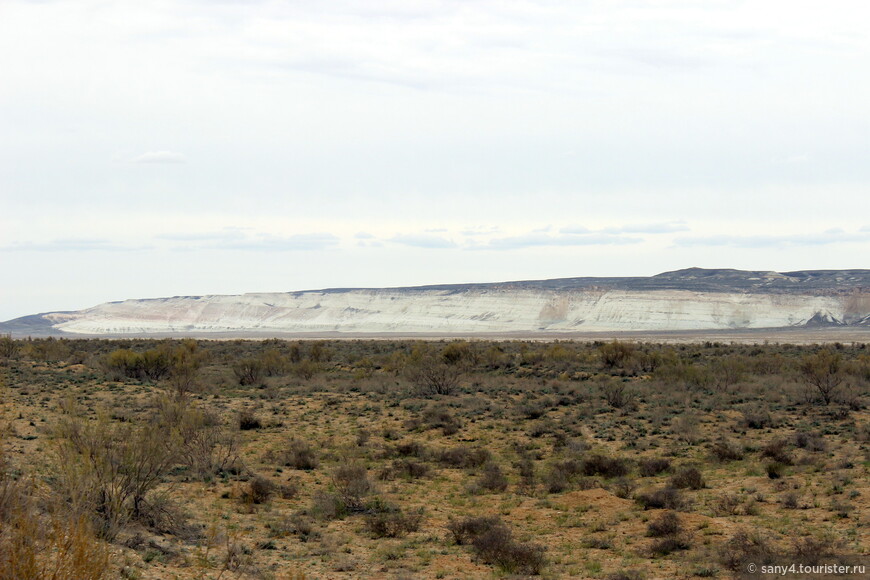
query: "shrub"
36, 543
725, 504
465, 530
497, 546
777, 450
248, 421
163, 516
248, 371
464, 457
667, 524
185, 362
757, 419
38, 547
442, 417
617, 394
724, 451
615, 354
670, 544
107, 470
207, 447
556, 479
306, 369
492, 479
810, 441
744, 547
727, 371
273, 362
411, 469
156, 363
597, 543
774, 470
665, 498
8, 347
432, 376
526, 468
352, 485
688, 478
299, 455
123, 363
327, 506
559, 476
289, 490
392, 522
297, 524
532, 409
811, 550
624, 487
790, 501
259, 490
494, 543
653, 467
626, 575
412, 449
605, 466
823, 372
405, 468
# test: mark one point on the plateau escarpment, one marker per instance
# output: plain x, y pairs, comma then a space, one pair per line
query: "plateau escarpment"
693, 299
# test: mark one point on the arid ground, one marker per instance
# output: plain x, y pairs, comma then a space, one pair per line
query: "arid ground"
431, 459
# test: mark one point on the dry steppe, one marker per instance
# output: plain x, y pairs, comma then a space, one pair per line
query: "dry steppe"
288, 459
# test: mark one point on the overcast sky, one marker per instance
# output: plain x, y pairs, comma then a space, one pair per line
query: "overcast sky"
177, 147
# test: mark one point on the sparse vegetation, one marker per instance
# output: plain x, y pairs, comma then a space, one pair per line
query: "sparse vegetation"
428, 459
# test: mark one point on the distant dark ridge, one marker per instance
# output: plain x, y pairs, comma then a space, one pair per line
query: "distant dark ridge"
34, 325
690, 279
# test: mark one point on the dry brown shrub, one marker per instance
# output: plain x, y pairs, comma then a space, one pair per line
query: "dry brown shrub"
40, 544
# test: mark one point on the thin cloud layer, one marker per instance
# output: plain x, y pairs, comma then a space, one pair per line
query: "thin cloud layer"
71, 245
543, 240
160, 157
271, 243
426, 241
648, 228
249, 240
835, 236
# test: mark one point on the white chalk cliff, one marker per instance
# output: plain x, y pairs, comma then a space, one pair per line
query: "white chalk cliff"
693, 299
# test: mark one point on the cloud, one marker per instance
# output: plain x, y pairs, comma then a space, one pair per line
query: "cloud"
797, 159
768, 241
226, 234
480, 231
270, 243
575, 230
363, 236
71, 245
239, 238
537, 240
423, 241
659, 58
649, 228
157, 157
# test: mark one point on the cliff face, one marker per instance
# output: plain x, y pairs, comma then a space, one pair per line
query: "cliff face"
691, 299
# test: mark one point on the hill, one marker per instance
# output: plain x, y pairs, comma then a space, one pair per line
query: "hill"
682, 300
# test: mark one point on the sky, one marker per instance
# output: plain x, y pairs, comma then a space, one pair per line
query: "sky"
188, 147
